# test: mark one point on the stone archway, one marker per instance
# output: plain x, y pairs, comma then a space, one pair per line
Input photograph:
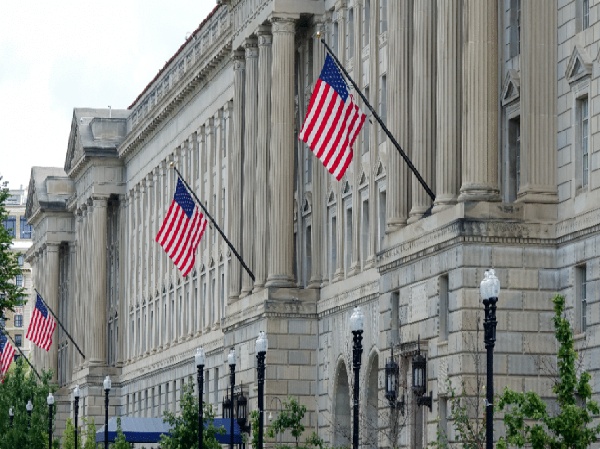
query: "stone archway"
342, 409
370, 418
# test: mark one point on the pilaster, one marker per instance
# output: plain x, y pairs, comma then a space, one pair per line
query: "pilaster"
98, 307
50, 295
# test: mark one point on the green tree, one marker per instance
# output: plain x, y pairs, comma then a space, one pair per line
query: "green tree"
68, 440
527, 419
184, 427
120, 440
290, 418
10, 294
90, 434
21, 385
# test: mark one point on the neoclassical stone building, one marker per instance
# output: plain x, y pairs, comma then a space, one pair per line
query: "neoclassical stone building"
493, 102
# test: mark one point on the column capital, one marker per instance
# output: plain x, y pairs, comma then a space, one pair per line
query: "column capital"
264, 36
285, 25
239, 60
251, 47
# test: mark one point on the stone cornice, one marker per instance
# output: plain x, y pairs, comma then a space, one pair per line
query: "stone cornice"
195, 79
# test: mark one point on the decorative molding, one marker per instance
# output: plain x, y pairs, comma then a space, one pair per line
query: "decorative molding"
579, 66
511, 89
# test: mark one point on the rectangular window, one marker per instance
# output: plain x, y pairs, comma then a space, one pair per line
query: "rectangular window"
585, 14
19, 280
443, 307
335, 38
350, 34
515, 28
383, 105
216, 388
383, 25
25, 228
19, 340
21, 260
18, 320
308, 255
364, 231
381, 217
333, 246
514, 158
583, 120
366, 22
366, 133
348, 240
581, 298
10, 224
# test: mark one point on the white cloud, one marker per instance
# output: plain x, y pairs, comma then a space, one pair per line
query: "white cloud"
59, 55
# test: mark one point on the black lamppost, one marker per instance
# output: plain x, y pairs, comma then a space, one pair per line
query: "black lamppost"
231, 362
490, 290
76, 394
107, 385
199, 358
356, 326
29, 408
419, 378
262, 344
392, 372
50, 401
11, 416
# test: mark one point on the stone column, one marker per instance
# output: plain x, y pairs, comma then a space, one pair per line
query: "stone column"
250, 135
98, 306
130, 274
399, 112
235, 173
423, 105
122, 309
481, 102
281, 237
51, 276
538, 104
448, 104
265, 40
319, 186
73, 303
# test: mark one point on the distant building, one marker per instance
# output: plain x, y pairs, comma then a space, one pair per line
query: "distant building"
492, 101
16, 224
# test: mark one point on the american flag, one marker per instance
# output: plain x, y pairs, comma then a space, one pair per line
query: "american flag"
41, 326
182, 229
332, 121
7, 354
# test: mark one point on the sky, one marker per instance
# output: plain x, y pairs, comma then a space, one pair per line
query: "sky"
62, 54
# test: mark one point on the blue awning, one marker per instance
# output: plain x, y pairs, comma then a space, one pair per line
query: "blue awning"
149, 430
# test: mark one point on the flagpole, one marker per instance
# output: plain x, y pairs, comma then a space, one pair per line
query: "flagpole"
59, 323
387, 131
22, 354
215, 223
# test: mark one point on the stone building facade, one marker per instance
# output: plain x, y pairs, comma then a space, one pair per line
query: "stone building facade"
493, 102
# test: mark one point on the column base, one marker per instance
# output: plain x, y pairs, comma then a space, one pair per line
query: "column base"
280, 281
479, 194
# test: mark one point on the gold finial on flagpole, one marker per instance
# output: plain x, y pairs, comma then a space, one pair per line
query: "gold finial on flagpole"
318, 35
171, 164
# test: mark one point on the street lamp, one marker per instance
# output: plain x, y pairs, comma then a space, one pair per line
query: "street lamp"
199, 358
419, 377
490, 290
262, 344
29, 408
356, 326
231, 362
392, 372
76, 394
50, 401
107, 385
11, 416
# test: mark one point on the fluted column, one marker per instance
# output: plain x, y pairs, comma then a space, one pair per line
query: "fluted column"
265, 41
399, 112
97, 352
122, 310
481, 102
423, 106
281, 237
250, 134
319, 209
448, 105
235, 172
79, 290
538, 103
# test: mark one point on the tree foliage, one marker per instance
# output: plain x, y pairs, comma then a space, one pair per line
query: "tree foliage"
527, 419
90, 433
68, 439
10, 295
21, 385
290, 418
120, 440
184, 427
